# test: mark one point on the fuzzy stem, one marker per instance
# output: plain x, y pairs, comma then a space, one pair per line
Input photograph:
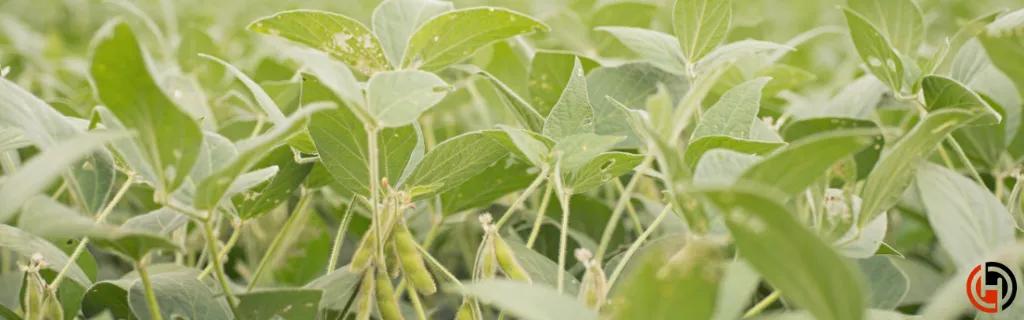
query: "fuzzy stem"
211, 244
339, 239
540, 216
300, 209
763, 304
438, 265
224, 251
624, 199
147, 285
636, 246
519, 201
963, 158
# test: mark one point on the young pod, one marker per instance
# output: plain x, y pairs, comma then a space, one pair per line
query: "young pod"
507, 259
594, 285
391, 259
35, 290
364, 306
386, 302
361, 258
412, 262
51, 308
469, 310
487, 260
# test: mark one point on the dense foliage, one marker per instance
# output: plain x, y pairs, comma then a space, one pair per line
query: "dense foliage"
508, 159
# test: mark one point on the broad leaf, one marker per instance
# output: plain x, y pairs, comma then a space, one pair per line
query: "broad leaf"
178, 294
503, 177
397, 98
968, 220
789, 256
876, 51
542, 270
264, 198
697, 148
451, 37
39, 172
343, 38
865, 159
525, 144
689, 278
635, 85
338, 288
528, 302
528, 117
577, 150
733, 113
550, 72
454, 161
700, 25
288, 304
394, 21
660, 49
572, 114
900, 21
601, 169
815, 154
111, 295
167, 136
738, 285
722, 166
888, 284
26, 245
12, 139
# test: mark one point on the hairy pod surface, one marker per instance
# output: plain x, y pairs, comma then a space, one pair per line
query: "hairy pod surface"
412, 262
364, 306
507, 259
386, 302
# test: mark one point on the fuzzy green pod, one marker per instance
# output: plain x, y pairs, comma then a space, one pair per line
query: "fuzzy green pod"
594, 284
361, 258
412, 262
507, 259
488, 261
51, 308
386, 303
35, 290
468, 311
364, 306
391, 259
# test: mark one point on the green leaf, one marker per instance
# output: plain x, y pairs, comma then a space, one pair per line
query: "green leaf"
528, 302
858, 242
211, 190
503, 177
397, 98
265, 102
453, 36
267, 197
733, 113
167, 136
26, 245
815, 154
525, 144
527, 116
697, 148
39, 172
343, 38
660, 49
944, 55
572, 114
287, 304
341, 141
90, 178
887, 283
736, 51
338, 288
784, 77
689, 278
875, 51
394, 21
635, 85
178, 294
550, 73
944, 93
969, 222
1004, 48
215, 152
12, 139
700, 25
789, 256
542, 270
111, 295
871, 314
865, 159
900, 21
454, 161
738, 285
722, 166
601, 169
577, 150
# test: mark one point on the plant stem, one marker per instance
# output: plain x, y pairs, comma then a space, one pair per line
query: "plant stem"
339, 239
415, 298
963, 158
636, 246
529, 190
211, 245
540, 216
300, 209
438, 265
624, 199
224, 251
563, 240
763, 304
154, 306
85, 241
377, 217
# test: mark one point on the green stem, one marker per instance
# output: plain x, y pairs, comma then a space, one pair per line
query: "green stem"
963, 158
529, 190
224, 251
629, 207
763, 304
300, 209
211, 245
147, 285
563, 242
636, 245
624, 199
72, 260
377, 217
438, 265
540, 216
416, 304
339, 239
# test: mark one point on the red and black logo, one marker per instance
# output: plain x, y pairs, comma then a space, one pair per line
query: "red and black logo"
991, 287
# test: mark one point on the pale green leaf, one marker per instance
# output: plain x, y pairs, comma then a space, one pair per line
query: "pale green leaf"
215, 152
528, 117
528, 302
394, 21
26, 245
267, 197
264, 100
738, 285
601, 169
550, 73
876, 52
733, 113
343, 38
287, 304
573, 113
700, 25
453, 36
542, 270
736, 51
397, 98
503, 177
338, 288
901, 21
577, 150
689, 278
168, 138
815, 154
697, 148
635, 85
454, 161
888, 284
865, 159
526, 144
660, 49
723, 166
944, 93
12, 139
178, 294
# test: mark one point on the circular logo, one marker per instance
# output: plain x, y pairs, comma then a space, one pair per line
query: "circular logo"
991, 287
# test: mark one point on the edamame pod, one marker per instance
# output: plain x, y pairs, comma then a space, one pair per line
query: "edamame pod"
386, 303
412, 262
361, 258
594, 285
391, 259
364, 306
507, 259
468, 311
